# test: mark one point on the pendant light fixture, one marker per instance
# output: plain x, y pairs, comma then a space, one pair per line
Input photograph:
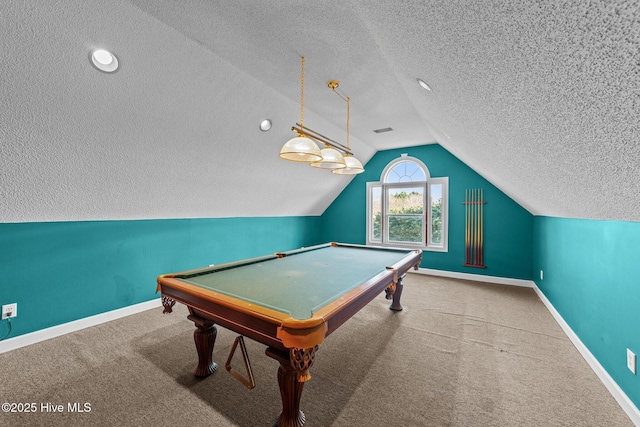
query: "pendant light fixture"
300, 148
303, 147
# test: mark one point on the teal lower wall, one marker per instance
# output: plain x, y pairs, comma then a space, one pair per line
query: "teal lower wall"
592, 278
508, 226
64, 271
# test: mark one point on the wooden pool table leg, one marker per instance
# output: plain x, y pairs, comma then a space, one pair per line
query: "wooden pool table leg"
292, 374
395, 304
204, 337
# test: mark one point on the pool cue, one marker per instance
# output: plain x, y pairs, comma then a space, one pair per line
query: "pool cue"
478, 243
481, 228
466, 224
475, 227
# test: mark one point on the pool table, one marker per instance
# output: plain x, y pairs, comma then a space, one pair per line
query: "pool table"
289, 301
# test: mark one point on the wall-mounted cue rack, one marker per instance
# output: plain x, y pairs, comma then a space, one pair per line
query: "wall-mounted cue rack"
474, 228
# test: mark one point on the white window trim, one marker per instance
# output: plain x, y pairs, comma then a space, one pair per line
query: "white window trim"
370, 187
444, 181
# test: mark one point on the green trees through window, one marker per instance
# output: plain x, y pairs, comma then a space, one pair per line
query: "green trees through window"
405, 215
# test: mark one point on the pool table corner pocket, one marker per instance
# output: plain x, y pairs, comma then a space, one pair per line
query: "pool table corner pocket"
168, 304
306, 337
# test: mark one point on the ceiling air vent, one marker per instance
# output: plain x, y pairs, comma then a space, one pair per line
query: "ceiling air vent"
383, 130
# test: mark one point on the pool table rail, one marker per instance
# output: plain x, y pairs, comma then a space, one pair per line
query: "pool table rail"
260, 325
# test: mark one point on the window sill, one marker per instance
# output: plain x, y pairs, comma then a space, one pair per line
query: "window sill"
401, 246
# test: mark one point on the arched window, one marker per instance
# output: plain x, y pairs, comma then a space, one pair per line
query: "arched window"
407, 207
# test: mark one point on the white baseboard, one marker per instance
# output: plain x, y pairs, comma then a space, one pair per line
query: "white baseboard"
476, 277
76, 325
623, 400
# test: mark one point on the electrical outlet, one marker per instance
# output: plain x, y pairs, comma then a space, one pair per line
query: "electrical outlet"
631, 361
9, 310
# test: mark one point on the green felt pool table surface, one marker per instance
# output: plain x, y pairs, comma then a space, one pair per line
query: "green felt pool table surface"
300, 282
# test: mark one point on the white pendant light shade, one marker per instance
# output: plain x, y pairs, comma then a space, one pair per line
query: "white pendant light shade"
331, 159
354, 167
301, 149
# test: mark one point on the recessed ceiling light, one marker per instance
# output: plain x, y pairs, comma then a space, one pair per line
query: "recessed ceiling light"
265, 125
104, 60
424, 85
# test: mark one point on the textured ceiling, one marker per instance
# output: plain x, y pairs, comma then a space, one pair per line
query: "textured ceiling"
540, 97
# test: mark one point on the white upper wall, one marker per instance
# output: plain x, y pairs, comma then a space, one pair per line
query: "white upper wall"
540, 98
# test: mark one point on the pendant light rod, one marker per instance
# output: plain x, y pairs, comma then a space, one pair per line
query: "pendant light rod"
302, 89
322, 136
333, 85
303, 130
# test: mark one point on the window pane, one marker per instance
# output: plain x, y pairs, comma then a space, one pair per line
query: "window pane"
405, 228
405, 214
436, 214
376, 213
406, 171
406, 200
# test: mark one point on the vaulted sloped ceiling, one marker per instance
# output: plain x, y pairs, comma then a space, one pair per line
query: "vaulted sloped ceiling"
540, 97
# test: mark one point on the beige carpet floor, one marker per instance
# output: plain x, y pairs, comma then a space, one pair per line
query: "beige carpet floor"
460, 354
